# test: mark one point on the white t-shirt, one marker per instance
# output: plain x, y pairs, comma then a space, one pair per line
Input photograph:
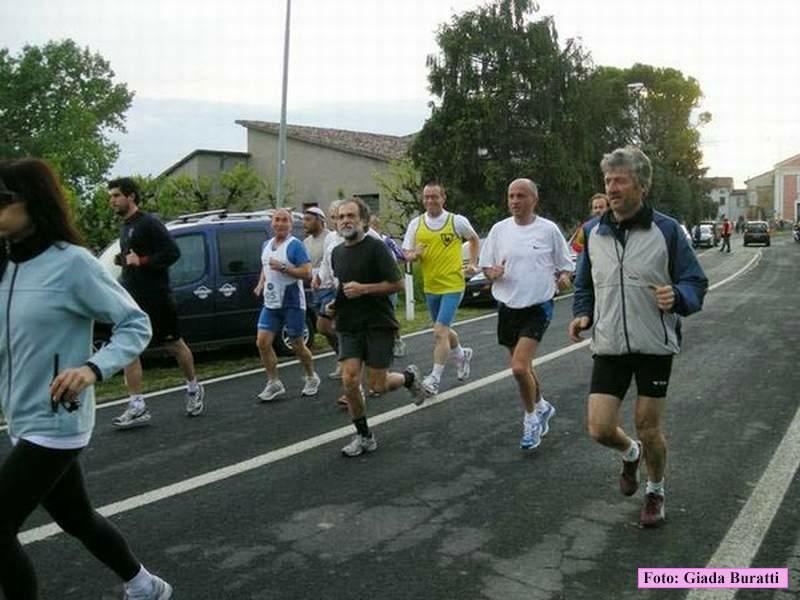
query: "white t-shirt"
315, 246
532, 254
461, 224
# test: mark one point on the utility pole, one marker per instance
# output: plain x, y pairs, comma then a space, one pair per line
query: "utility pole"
282, 131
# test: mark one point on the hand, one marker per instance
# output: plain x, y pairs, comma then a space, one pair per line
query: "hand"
330, 309
353, 289
275, 265
564, 280
133, 259
259, 289
495, 271
315, 282
471, 269
665, 297
576, 326
70, 383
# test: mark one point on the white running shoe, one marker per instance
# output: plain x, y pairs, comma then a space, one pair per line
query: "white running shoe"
135, 415
194, 401
463, 366
531, 432
430, 386
336, 373
272, 390
399, 349
359, 445
311, 385
161, 590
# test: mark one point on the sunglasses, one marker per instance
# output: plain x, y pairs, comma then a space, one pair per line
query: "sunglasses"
8, 197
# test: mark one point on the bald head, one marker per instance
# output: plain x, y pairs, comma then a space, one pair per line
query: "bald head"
523, 196
281, 223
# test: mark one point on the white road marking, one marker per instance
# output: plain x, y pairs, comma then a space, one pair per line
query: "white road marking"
181, 487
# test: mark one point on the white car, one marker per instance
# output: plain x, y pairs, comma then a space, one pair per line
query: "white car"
705, 237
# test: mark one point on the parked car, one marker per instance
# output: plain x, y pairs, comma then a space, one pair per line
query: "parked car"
706, 237
756, 232
478, 289
715, 231
214, 278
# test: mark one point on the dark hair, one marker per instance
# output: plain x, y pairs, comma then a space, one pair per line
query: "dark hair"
34, 180
436, 183
363, 209
127, 186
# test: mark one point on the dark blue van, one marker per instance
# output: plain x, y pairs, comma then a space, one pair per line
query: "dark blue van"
214, 278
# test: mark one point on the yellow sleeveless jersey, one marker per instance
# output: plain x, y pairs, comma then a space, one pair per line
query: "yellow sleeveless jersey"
442, 269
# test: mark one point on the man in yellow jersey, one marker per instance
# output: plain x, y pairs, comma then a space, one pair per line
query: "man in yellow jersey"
434, 238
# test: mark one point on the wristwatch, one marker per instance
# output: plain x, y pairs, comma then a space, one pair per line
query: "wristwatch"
284, 267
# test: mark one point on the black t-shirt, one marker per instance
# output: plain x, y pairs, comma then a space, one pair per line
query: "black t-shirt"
146, 236
368, 261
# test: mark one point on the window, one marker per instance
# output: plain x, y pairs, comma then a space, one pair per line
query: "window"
191, 266
722, 200
373, 201
240, 251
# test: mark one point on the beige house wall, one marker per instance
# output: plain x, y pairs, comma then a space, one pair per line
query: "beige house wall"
315, 174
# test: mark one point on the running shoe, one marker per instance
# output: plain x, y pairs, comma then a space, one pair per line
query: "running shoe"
161, 590
430, 385
359, 445
414, 384
463, 365
135, 415
399, 349
311, 385
272, 390
194, 401
652, 514
545, 415
629, 475
336, 373
531, 432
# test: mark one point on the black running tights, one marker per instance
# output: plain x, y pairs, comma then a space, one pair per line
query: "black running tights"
33, 475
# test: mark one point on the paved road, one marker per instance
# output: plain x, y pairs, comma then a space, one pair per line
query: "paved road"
449, 507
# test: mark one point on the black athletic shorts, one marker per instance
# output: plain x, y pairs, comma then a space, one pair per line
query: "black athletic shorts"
530, 322
373, 346
612, 374
163, 315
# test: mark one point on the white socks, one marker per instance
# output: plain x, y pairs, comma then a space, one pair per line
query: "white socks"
141, 583
541, 405
136, 401
191, 386
655, 487
632, 453
437, 371
457, 353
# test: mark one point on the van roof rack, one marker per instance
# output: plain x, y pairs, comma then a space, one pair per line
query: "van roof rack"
222, 213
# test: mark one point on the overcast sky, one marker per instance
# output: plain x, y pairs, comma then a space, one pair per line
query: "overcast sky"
198, 65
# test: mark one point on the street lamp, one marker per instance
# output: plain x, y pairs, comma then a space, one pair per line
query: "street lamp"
282, 128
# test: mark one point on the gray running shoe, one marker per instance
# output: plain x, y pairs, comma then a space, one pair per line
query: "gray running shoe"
430, 386
415, 384
399, 349
531, 432
161, 590
311, 385
359, 445
272, 390
336, 373
194, 401
134, 416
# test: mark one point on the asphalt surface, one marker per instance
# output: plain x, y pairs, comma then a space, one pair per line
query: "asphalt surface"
449, 506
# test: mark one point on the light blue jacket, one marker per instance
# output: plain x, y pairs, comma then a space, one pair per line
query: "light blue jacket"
49, 304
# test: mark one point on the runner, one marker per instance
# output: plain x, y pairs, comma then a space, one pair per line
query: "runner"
365, 320
520, 257
146, 252
285, 265
637, 274
52, 290
434, 238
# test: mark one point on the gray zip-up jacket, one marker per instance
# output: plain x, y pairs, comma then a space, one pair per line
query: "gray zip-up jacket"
619, 264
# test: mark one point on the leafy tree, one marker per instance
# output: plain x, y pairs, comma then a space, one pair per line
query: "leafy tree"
59, 102
401, 185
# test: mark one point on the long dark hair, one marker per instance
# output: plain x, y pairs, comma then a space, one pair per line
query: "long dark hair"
35, 181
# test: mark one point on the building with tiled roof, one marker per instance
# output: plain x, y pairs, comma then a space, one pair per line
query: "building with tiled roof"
778, 190
323, 164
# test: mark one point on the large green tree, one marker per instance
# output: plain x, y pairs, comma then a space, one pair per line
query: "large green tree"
513, 101
60, 102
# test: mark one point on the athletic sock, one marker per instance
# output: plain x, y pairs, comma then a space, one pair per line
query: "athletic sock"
437, 371
192, 386
457, 353
137, 401
632, 453
542, 405
361, 426
655, 487
142, 582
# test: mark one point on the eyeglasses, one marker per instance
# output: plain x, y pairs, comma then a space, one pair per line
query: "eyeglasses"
8, 197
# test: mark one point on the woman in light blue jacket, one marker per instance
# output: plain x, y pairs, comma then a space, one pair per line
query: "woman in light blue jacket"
51, 292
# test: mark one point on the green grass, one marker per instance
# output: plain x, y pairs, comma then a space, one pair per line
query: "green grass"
160, 373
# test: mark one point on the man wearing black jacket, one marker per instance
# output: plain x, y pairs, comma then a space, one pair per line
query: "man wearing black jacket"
146, 252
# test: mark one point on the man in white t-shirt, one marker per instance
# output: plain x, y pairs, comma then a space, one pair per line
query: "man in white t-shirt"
526, 257
434, 239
